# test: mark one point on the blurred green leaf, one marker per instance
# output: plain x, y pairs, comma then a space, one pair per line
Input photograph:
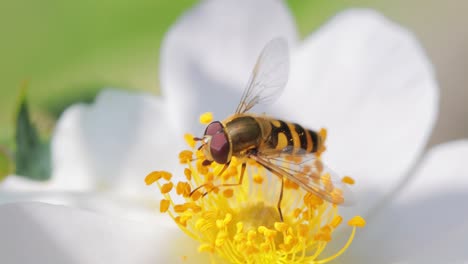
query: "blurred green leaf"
6, 164
32, 156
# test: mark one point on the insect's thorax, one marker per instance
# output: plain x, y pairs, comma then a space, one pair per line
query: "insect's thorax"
265, 134
244, 133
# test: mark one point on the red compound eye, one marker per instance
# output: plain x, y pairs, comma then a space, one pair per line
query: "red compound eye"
213, 128
219, 148
219, 143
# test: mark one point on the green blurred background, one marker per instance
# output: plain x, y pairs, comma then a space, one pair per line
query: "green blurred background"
68, 50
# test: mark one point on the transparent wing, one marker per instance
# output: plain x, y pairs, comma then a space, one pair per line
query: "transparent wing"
309, 172
269, 76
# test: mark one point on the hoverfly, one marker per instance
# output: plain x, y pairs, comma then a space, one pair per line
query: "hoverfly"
269, 141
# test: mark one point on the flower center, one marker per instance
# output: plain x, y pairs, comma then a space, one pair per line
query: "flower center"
241, 223
258, 214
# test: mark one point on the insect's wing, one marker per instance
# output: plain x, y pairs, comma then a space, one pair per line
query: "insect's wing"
269, 76
309, 172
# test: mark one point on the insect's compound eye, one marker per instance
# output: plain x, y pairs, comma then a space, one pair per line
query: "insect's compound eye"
213, 128
219, 143
219, 147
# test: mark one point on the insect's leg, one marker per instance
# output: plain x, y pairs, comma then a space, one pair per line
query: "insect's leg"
203, 185
196, 189
281, 199
244, 165
241, 178
272, 170
224, 169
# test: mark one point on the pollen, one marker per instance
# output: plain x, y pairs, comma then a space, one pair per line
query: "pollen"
152, 177
228, 193
167, 187
348, 180
164, 205
257, 178
156, 175
240, 223
357, 221
206, 118
185, 156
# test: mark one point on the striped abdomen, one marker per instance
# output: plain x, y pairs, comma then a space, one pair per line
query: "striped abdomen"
247, 132
293, 137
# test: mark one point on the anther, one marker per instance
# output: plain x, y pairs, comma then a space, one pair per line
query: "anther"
357, 221
206, 118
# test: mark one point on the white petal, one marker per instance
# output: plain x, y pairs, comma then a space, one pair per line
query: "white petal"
427, 221
40, 233
369, 83
107, 203
21, 183
208, 55
113, 143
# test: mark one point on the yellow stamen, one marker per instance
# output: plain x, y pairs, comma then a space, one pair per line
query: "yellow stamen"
188, 174
152, 177
156, 175
189, 139
206, 118
164, 205
166, 175
297, 212
323, 136
185, 156
228, 193
357, 221
336, 221
205, 248
196, 195
179, 208
167, 187
281, 227
258, 178
348, 180
290, 184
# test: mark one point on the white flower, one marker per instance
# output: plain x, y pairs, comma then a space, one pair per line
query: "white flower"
361, 76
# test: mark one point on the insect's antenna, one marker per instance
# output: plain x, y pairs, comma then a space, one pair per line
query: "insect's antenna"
203, 140
199, 139
194, 159
205, 162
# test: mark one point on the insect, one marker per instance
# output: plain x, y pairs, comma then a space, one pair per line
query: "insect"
268, 141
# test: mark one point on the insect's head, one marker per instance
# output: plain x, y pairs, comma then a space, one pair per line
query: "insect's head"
215, 143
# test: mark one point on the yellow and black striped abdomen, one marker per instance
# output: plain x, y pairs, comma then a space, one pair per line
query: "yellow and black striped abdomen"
293, 137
